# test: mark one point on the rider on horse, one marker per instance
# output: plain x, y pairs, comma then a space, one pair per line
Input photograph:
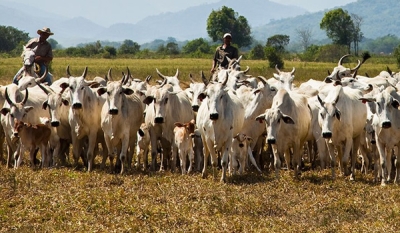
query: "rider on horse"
43, 54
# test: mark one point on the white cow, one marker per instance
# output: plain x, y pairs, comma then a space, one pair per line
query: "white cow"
165, 107
386, 125
285, 78
84, 117
195, 89
121, 117
342, 119
287, 122
219, 119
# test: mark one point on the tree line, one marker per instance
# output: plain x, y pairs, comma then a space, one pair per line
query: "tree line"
342, 28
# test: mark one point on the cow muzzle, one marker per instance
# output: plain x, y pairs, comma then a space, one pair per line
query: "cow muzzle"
214, 116
386, 124
326, 134
113, 111
16, 134
271, 140
55, 123
159, 120
241, 145
77, 106
195, 108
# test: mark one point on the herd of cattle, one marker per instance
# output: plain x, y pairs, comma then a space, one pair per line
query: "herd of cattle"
230, 116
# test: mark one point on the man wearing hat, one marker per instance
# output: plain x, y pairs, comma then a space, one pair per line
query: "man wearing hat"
43, 54
223, 51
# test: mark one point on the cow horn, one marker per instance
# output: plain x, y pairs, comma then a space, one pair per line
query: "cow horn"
262, 79
41, 79
84, 72
247, 70
341, 59
204, 79
26, 96
389, 70
357, 67
177, 73
355, 74
9, 101
109, 76
226, 79
125, 80
47, 91
159, 74
292, 72
276, 68
191, 78
68, 73
148, 78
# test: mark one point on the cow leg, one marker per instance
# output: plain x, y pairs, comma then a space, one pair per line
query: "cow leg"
297, 159
207, 144
154, 145
122, 156
354, 150
277, 160
225, 159
90, 155
18, 155
331, 152
252, 160
191, 160
382, 159
388, 163
182, 157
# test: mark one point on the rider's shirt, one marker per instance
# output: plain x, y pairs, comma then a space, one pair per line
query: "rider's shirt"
43, 48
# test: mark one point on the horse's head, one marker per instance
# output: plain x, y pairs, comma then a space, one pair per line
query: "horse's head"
28, 56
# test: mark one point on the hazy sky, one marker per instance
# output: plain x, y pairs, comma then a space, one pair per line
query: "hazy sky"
106, 12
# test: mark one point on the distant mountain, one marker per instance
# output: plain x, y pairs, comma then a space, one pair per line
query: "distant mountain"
266, 18
380, 18
187, 24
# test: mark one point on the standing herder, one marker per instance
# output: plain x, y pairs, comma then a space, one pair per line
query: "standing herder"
223, 51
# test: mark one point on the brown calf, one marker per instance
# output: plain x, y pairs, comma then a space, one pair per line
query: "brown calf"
31, 137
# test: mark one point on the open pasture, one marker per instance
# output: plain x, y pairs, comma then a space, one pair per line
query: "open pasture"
69, 200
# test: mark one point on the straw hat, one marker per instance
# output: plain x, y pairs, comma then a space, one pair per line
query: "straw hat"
45, 30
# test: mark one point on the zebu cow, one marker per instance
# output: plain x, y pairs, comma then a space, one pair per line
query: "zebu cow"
238, 153
121, 117
386, 124
342, 119
340, 71
57, 103
143, 143
194, 90
173, 80
287, 122
84, 117
165, 107
219, 119
285, 78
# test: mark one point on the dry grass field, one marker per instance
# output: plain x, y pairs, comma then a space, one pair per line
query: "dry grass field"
70, 199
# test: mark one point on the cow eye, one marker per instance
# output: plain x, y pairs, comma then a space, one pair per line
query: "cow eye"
70, 87
82, 88
12, 115
166, 100
322, 115
108, 93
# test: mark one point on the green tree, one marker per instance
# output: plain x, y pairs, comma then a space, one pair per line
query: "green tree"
257, 52
274, 58
339, 27
199, 45
396, 54
11, 38
172, 48
278, 42
53, 43
129, 47
227, 20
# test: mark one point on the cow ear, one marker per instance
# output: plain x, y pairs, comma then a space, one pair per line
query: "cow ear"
65, 102
201, 96
128, 91
28, 108
148, 100
276, 76
101, 91
287, 119
249, 138
328, 80
64, 85
260, 118
44, 105
141, 133
237, 135
395, 104
337, 114
4, 111
94, 85
179, 124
